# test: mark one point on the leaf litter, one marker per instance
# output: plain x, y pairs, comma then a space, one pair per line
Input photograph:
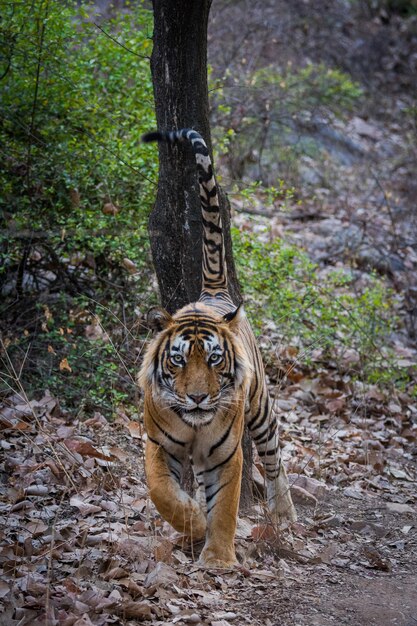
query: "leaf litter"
81, 542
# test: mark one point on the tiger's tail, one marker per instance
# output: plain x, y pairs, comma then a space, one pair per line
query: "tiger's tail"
214, 271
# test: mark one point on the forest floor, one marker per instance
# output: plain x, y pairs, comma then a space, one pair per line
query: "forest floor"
80, 541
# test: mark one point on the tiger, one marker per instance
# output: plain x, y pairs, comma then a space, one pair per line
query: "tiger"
203, 380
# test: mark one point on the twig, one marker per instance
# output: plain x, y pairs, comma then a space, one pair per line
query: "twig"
141, 56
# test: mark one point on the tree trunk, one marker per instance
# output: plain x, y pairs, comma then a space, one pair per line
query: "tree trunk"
179, 75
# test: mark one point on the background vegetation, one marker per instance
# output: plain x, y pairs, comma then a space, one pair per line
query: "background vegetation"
76, 187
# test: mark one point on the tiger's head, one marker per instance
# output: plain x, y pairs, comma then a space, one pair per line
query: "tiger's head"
196, 363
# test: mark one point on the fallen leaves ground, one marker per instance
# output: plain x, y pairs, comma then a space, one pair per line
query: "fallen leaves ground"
82, 544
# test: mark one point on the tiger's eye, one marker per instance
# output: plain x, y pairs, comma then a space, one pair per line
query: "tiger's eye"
177, 359
215, 359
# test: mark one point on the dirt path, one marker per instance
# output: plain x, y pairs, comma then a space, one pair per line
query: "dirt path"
356, 601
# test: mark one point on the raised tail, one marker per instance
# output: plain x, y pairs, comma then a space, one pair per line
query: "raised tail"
214, 271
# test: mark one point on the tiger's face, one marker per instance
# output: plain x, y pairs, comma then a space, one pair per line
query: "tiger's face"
195, 364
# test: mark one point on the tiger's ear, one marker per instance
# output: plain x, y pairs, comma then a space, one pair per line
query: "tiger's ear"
234, 317
157, 319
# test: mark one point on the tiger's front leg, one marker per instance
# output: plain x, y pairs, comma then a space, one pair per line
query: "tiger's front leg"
222, 489
174, 504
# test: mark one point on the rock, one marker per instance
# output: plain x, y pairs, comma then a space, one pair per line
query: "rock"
219, 615
396, 507
364, 129
301, 496
161, 576
314, 487
307, 169
243, 529
354, 492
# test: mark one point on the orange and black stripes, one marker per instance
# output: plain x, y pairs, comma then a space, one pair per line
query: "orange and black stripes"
203, 379
214, 269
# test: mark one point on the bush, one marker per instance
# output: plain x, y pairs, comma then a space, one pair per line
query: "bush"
272, 115
76, 187
326, 317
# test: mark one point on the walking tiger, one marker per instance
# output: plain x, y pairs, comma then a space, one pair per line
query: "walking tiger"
203, 379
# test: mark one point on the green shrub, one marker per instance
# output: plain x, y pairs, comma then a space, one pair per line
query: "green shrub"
73, 107
76, 186
313, 313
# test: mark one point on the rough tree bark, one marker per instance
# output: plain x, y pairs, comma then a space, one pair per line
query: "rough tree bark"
179, 75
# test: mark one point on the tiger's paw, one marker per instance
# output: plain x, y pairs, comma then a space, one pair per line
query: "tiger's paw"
216, 557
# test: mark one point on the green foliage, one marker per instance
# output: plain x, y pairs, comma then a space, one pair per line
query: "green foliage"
74, 104
76, 186
316, 313
307, 88
279, 194
73, 356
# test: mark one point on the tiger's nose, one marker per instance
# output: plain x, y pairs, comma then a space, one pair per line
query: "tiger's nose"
197, 398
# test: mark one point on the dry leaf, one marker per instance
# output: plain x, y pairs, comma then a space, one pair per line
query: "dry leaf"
83, 621
110, 209
162, 575
64, 366
135, 429
264, 532
326, 555
114, 573
37, 490
131, 586
85, 448
130, 266
163, 551
122, 455
95, 332
376, 560
85, 508
141, 610
4, 589
335, 405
